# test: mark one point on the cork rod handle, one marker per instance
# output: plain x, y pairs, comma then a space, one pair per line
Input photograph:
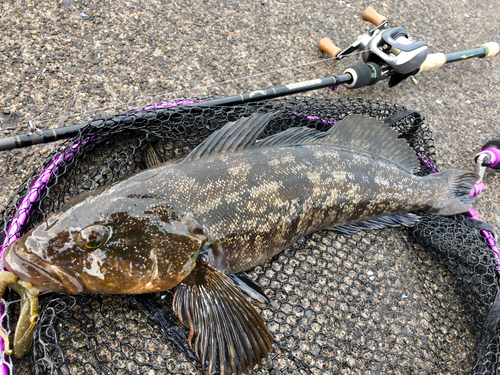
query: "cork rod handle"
433, 61
326, 45
372, 16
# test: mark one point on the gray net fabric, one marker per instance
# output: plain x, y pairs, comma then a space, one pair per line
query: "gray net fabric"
383, 301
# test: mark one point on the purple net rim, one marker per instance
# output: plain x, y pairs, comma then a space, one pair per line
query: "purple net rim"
310, 117
488, 237
26, 206
477, 189
427, 163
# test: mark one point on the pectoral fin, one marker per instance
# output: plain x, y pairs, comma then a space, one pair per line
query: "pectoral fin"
251, 288
226, 332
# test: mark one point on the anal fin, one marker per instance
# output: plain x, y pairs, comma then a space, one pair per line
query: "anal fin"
226, 333
394, 220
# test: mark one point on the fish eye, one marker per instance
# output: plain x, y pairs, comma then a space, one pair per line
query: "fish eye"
94, 244
93, 236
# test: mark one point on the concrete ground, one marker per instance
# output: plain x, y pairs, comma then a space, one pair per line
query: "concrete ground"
62, 62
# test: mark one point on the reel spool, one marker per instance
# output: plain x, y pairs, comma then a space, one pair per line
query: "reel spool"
393, 47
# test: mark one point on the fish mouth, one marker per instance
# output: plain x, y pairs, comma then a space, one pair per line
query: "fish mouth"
30, 267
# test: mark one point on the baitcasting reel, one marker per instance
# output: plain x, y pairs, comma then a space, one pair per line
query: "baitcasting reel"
395, 48
392, 49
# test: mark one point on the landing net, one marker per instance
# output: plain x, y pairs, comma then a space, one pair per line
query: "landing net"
383, 301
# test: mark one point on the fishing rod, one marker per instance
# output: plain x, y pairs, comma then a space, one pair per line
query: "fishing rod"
398, 55
388, 53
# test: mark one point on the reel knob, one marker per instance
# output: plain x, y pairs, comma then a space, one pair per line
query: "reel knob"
371, 15
326, 45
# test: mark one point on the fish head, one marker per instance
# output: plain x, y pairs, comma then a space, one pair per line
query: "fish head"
95, 248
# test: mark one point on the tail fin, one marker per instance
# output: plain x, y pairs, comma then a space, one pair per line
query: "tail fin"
460, 183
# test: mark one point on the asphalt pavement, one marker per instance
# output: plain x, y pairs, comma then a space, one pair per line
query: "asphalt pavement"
64, 62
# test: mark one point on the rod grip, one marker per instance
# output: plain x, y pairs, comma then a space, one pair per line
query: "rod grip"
363, 75
433, 61
371, 15
493, 49
326, 45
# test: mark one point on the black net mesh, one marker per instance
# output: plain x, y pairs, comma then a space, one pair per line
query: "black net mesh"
381, 301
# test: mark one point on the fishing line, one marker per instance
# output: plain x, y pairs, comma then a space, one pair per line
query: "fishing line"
151, 98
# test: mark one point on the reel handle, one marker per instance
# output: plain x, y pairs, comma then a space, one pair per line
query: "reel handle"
326, 45
371, 15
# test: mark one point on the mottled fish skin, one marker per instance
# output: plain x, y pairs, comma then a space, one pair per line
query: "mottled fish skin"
254, 203
248, 204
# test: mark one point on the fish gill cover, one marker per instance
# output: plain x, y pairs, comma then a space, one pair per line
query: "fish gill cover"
381, 301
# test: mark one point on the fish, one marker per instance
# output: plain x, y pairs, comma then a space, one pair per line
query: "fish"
235, 201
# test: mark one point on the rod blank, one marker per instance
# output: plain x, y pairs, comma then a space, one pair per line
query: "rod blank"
50, 135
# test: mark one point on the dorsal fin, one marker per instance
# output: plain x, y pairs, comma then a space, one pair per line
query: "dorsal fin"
371, 136
355, 133
292, 137
234, 136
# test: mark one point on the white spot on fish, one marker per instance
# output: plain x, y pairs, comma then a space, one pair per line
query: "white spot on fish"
318, 154
206, 206
96, 259
240, 170
154, 273
265, 188
274, 162
339, 176
232, 197
382, 181
288, 159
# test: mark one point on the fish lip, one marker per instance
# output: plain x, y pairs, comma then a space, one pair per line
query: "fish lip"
27, 259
